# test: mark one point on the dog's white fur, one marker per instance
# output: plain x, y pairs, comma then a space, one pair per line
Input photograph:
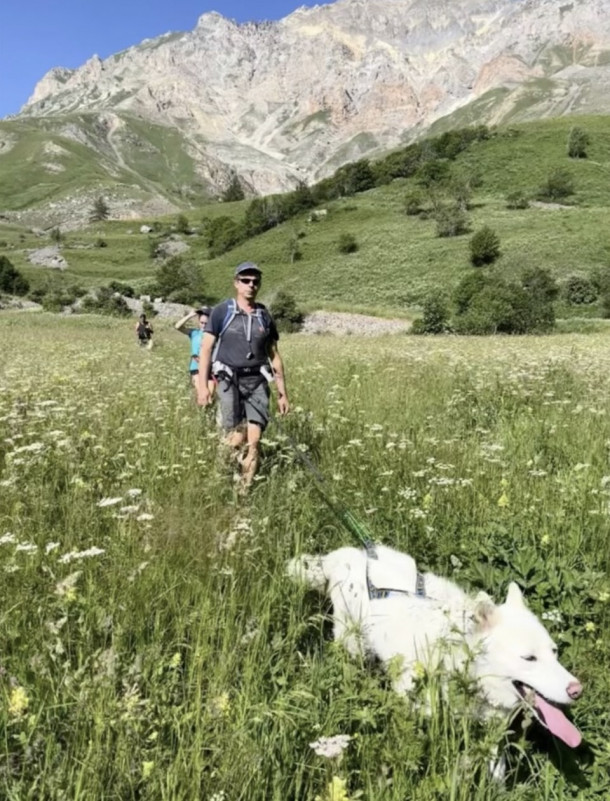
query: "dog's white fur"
496, 644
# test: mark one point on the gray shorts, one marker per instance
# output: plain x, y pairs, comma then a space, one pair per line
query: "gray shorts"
248, 402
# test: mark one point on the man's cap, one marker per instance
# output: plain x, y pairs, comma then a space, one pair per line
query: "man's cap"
247, 267
204, 310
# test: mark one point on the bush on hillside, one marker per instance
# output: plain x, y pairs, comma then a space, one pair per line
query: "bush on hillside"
347, 243
435, 317
233, 192
100, 243
489, 305
484, 247
179, 282
11, 280
434, 173
578, 141
222, 234
100, 210
182, 224
123, 289
450, 220
517, 200
413, 203
287, 315
105, 301
56, 235
558, 186
579, 290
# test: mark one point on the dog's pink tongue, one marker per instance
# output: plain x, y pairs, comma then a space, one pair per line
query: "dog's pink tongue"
557, 723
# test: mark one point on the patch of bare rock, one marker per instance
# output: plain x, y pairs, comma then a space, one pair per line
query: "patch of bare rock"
342, 323
48, 257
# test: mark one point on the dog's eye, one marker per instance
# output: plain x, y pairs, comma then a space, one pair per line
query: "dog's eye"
530, 658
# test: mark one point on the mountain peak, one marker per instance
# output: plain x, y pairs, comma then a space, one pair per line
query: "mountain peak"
331, 83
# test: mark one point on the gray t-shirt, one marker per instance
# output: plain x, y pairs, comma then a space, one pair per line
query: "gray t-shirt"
247, 334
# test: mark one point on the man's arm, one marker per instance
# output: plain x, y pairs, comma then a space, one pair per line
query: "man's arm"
205, 360
181, 323
278, 371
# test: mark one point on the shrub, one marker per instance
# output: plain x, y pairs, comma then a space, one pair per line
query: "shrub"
450, 220
11, 280
557, 186
105, 301
484, 247
3, 243
347, 243
517, 200
600, 278
182, 224
579, 290
413, 203
222, 234
100, 210
435, 317
100, 243
123, 289
578, 141
56, 235
434, 173
486, 304
179, 281
233, 192
288, 317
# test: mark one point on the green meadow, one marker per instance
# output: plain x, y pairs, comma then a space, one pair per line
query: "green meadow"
151, 646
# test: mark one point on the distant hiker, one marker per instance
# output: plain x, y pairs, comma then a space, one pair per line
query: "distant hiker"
144, 332
195, 336
240, 344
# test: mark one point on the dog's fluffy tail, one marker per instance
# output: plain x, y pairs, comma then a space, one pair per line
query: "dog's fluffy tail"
309, 569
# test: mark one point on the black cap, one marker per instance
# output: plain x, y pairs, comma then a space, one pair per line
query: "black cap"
247, 267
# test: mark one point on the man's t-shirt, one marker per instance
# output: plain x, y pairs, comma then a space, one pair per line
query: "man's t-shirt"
247, 334
195, 335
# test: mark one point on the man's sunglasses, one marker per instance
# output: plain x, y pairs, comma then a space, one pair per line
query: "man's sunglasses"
250, 281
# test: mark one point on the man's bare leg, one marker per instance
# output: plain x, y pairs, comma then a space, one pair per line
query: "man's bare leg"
250, 461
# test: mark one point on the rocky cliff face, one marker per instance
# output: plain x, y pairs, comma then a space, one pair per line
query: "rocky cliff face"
296, 98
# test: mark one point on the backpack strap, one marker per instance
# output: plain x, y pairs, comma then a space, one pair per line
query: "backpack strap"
228, 319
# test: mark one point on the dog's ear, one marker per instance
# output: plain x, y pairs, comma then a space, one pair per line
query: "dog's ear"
484, 611
514, 596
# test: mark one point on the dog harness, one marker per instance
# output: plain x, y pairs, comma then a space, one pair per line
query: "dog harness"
377, 593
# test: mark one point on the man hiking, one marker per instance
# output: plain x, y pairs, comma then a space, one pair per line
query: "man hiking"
195, 336
240, 344
144, 332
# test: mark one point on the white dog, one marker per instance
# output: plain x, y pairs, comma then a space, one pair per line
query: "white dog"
382, 606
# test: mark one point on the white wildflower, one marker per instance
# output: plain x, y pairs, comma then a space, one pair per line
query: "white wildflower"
331, 747
109, 502
8, 539
144, 517
73, 555
26, 547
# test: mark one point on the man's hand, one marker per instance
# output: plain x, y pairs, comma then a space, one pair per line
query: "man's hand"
283, 405
203, 397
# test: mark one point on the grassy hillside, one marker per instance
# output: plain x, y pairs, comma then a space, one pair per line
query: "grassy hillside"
48, 159
399, 258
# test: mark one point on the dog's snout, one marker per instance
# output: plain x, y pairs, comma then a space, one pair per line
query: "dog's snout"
574, 690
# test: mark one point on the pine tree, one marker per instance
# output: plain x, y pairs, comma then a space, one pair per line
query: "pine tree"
100, 210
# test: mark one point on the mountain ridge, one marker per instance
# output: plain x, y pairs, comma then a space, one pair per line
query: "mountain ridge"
279, 102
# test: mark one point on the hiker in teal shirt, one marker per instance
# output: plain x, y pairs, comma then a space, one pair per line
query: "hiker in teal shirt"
195, 336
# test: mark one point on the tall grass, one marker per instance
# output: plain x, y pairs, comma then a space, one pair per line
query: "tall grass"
150, 645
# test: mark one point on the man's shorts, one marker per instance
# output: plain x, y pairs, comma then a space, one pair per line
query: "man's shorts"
246, 402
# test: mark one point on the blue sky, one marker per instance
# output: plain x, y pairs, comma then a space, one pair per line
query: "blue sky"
36, 35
